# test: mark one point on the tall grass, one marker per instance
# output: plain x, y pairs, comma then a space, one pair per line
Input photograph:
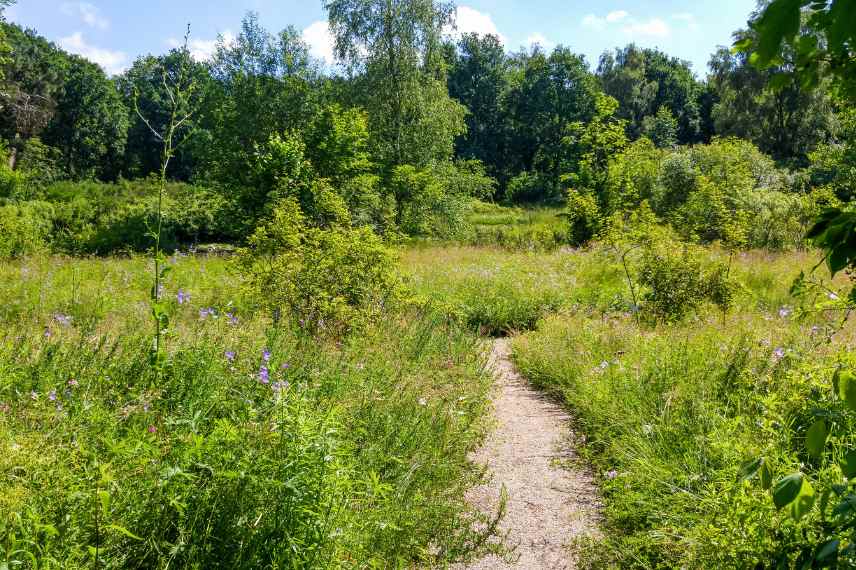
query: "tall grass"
670, 413
255, 447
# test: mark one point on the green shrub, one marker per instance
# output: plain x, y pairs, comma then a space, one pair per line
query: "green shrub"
532, 187
676, 284
584, 218
25, 228
326, 279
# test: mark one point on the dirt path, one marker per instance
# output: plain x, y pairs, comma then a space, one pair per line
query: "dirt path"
550, 500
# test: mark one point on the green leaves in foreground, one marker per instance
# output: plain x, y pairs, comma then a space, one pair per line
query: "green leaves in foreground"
795, 492
815, 439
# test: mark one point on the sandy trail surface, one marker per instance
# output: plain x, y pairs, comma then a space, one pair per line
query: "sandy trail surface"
551, 498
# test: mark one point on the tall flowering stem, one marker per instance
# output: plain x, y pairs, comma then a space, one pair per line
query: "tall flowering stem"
179, 88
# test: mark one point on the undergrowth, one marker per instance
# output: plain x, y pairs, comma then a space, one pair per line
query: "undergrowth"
258, 446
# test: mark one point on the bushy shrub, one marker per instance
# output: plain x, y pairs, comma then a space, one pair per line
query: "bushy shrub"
25, 228
92, 217
425, 203
329, 279
532, 187
676, 283
584, 218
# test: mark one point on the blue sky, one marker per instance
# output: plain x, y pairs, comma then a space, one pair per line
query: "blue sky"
112, 32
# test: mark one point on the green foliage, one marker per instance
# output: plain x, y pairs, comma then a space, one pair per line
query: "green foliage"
324, 466
670, 416
590, 147
89, 124
412, 119
584, 218
772, 108
818, 37
661, 128
676, 283
328, 280
25, 228
656, 93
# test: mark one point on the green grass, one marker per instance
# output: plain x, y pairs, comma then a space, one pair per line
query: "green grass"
498, 292
670, 413
353, 454
358, 458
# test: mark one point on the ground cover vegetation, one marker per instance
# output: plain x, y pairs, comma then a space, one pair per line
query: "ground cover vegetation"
244, 299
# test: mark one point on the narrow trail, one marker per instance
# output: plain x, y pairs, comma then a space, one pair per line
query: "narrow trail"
551, 500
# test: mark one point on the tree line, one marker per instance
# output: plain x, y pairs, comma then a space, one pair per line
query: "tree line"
408, 125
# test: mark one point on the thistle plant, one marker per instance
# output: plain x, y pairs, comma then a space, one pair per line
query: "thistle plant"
180, 89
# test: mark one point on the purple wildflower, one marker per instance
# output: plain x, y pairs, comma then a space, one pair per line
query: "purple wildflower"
611, 474
183, 297
285, 366
62, 319
233, 320
266, 355
52, 395
153, 429
264, 375
832, 296
48, 333
72, 382
779, 353
206, 312
34, 395
280, 386
230, 355
785, 312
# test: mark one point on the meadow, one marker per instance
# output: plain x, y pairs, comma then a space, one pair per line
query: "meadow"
257, 445
249, 298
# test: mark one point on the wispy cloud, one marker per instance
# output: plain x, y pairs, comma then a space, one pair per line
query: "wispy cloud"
202, 50
320, 40
113, 62
653, 28
687, 19
538, 39
471, 21
616, 16
599, 23
630, 26
88, 13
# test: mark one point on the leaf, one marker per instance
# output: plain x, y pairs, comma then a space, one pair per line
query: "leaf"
847, 388
804, 501
104, 499
828, 551
750, 468
787, 490
815, 439
780, 20
848, 465
123, 530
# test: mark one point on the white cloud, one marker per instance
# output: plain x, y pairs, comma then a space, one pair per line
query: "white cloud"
688, 19
202, 50
540, 40
88, 13
616, 16
113, 62
320, 40
471, 21
653, 28
592, 22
